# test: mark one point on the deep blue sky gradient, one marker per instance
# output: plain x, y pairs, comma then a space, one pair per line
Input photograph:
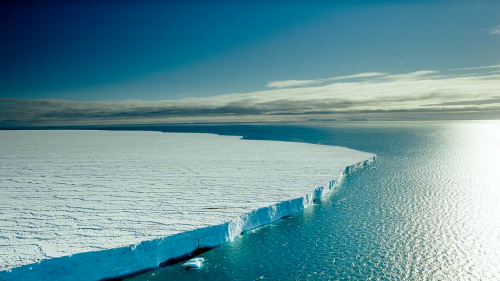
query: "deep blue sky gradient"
114, 50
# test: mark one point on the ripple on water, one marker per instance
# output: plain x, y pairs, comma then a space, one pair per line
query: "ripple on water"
430, 210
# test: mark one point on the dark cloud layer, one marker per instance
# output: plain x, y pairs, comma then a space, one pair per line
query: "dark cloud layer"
396, 97
468, 102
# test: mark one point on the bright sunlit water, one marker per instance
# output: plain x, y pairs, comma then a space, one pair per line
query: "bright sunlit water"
427, 209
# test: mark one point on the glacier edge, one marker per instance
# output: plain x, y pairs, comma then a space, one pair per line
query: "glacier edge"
124, 261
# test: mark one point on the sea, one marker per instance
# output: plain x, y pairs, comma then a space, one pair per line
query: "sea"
428, 208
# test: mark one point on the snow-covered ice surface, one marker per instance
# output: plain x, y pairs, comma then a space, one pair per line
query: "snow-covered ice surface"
87, 205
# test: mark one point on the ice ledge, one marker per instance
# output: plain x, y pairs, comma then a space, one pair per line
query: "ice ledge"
123, 261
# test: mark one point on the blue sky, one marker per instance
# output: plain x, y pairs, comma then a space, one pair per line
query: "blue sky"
204, 52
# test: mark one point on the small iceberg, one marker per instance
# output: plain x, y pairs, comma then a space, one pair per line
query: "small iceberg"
194, 263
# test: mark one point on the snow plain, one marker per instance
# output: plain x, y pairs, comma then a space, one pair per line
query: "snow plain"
88, 205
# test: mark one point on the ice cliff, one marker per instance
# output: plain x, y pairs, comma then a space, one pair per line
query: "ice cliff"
91, 205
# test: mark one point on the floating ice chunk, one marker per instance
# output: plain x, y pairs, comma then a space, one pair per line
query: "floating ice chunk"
194, 263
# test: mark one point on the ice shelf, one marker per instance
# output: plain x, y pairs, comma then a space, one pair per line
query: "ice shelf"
91, 205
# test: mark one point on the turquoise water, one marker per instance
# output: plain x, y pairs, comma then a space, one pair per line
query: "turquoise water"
427, 209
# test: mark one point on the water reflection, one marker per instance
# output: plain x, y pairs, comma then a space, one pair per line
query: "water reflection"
427, 209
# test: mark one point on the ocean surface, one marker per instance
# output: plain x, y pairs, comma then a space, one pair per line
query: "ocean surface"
428, 208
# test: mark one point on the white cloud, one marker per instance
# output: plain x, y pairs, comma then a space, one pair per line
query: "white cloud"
495, 30
421, 91
291, 83
359, 75
295, 83
479, 67
417, 75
